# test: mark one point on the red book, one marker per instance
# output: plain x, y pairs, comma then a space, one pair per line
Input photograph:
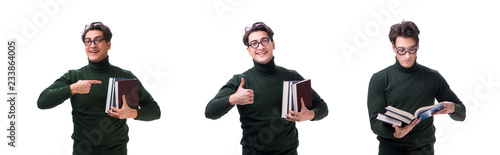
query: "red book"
302, 89
129, 88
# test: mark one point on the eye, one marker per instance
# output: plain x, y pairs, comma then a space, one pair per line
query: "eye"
254, 43
264, 41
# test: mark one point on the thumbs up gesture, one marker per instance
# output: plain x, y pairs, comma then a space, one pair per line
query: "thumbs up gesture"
242, 96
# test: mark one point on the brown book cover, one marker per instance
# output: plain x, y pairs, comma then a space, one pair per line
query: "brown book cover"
302, 89
129, 88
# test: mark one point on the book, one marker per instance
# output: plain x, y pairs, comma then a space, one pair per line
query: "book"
388, 120
302, 89
406, 117
129, 88
293, 91
111, 97
286, 99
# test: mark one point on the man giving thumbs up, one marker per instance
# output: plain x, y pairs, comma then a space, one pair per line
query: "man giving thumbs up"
258, 93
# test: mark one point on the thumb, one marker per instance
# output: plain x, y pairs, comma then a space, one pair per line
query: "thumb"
303, 104
124, 102
242, 83
395, 126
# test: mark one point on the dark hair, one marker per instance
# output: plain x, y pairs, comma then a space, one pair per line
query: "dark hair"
404, 29
98, 26
258, 26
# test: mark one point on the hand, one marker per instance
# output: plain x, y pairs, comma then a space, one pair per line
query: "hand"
82, 86
123, 113
448, 108
304, 114
242, 96
400, 132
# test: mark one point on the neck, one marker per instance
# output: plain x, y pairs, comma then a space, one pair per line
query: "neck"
265, 68
412, 69
100, 66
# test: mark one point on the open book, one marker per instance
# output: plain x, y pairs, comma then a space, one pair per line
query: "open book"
396, 114
293, 91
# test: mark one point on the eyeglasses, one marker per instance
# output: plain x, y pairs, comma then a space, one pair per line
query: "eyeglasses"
402, 51
97, 41
264, 41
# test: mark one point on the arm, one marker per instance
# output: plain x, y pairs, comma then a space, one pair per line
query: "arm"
55, 94
220, 105
318, 111
319, 107
376, 104
149, 109
62, 89
452, 104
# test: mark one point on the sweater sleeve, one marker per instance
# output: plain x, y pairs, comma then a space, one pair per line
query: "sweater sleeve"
444, 93
149, 109
319, 107
376, 104
219, 105
56, 93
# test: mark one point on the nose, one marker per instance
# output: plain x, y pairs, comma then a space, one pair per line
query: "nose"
92, 44
407, 55
260, 46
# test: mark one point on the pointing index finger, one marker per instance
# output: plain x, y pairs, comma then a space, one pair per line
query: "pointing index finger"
94, 81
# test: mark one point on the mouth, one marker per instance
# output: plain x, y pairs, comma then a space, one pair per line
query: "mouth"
94, 52
261, 53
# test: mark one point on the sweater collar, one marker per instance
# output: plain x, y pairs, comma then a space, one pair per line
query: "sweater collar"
412, 69
270, 67
100, 66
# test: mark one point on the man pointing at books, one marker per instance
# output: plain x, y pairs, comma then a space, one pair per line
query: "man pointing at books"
258, 95
408, 85
96, 132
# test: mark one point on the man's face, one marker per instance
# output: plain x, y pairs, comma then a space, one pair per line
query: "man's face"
262, 54
96, 53
406, 46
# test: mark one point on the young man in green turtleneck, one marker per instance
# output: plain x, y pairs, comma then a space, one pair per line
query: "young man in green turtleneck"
408, 85
96, 132
258, 93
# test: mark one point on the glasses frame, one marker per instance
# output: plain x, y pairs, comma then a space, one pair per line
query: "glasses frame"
260, 42
94, 40
407, 50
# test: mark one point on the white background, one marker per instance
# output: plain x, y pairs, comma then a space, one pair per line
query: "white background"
194, 49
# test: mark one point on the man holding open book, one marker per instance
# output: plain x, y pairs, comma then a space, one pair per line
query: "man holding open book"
96, 132
258, 95
403, 88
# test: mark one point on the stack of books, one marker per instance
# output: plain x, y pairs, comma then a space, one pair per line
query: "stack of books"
293, 91
117, 87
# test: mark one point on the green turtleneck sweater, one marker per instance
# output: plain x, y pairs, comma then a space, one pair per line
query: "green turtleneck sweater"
409, 89
91, 124
263, 127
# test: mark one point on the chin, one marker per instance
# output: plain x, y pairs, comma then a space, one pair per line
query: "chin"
94, 59
263, 60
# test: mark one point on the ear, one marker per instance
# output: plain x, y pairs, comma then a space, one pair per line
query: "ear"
109, 45
394, 49
273, 45
249, 52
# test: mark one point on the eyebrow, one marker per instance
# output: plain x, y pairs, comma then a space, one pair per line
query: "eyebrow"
405, 47
94, 37
260, 39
